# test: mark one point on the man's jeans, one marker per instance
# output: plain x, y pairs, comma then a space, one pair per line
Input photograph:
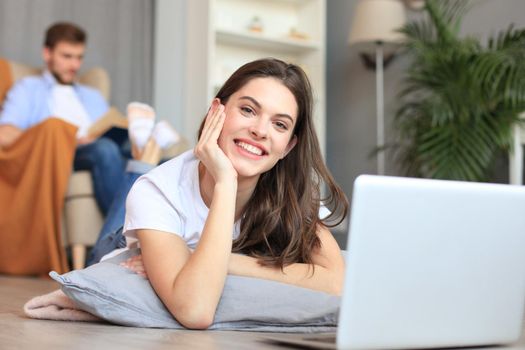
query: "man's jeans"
110, 237
104, 160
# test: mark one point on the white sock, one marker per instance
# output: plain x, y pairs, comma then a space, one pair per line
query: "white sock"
141, 119
165, 135
139, 131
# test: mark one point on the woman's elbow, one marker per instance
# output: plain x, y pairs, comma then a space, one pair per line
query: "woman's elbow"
336, 287
194, 317
201, 323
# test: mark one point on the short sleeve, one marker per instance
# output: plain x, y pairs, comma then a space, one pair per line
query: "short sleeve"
147, 207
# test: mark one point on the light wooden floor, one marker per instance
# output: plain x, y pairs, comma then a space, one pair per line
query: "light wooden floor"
19, 332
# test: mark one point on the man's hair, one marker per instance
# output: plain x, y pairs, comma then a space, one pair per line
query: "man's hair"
64, 31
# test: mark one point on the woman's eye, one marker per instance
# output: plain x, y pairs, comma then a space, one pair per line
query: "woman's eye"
247, 110
281, 125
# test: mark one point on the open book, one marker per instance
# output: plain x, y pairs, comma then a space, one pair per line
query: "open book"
113, 125
112, 119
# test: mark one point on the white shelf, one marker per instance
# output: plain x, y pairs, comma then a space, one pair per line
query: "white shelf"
219, 41
261, 42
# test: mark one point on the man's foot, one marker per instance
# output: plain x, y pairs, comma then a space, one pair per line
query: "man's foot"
141, 119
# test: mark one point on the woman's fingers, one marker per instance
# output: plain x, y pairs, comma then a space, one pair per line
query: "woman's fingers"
207, 149
212, 124
210, 118
207, 144
216, 131
134, 263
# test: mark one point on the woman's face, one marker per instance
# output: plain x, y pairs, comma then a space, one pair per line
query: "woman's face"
257, 132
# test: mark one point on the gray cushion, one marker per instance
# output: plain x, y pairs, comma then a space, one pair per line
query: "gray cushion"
118, 295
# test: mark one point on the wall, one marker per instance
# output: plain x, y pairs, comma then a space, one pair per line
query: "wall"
181, 62
351, 114
169, 61
120, 36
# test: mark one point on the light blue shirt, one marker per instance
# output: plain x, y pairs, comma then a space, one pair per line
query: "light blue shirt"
28, 101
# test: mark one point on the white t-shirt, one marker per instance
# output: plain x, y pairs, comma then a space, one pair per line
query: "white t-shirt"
66, 105
168, 199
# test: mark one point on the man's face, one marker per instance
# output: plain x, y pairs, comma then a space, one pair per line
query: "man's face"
64, 60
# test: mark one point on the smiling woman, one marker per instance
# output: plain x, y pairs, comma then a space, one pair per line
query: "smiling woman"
245, 202
255, 129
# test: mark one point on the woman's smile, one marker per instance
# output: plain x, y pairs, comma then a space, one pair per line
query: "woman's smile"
250, 148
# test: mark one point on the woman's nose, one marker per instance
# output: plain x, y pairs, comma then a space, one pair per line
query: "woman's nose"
259, 129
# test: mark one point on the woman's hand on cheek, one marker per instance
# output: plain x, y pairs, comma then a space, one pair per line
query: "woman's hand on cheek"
207, 149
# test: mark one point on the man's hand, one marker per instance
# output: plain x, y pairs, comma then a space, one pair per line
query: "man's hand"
84, 140
8, 135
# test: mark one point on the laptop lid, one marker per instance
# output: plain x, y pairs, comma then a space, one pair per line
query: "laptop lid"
433, 263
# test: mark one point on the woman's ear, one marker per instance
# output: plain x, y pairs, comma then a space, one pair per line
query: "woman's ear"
290, 146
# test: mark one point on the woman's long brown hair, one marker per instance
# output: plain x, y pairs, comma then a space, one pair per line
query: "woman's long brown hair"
280, 221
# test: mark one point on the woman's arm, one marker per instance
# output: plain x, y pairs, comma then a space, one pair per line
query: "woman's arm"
190, 285
327, 277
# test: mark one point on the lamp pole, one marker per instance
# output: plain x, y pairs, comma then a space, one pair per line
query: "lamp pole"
380, 109
375, 24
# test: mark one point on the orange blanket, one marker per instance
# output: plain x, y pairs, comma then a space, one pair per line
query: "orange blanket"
6, 79
34, 173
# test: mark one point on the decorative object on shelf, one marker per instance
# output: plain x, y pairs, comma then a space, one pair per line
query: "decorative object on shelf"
295, 34
375, 28
461, 98
256, 25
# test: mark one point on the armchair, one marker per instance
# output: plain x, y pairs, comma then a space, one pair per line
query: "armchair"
81, 220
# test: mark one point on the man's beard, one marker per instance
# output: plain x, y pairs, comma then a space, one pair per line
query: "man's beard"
59, 79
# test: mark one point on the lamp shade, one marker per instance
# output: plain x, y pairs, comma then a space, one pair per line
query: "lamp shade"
377, 21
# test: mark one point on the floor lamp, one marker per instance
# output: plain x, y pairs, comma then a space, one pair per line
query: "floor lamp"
374, 28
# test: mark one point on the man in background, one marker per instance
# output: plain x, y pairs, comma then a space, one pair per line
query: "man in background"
55, 93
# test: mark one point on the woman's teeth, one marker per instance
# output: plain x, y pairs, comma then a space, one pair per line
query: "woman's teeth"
250, 148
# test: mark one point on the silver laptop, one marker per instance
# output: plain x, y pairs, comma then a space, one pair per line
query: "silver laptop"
430, 263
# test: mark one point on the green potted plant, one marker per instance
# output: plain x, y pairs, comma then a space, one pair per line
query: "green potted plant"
460, 99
